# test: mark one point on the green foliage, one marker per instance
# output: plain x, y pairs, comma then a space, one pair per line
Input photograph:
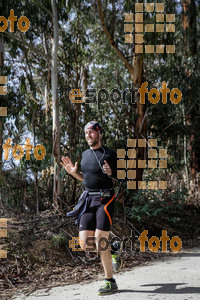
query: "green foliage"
59, 240
149, 206
84, 46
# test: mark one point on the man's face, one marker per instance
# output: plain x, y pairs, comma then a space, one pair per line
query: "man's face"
92, 137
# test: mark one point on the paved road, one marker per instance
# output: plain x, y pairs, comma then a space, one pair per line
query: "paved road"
171, 277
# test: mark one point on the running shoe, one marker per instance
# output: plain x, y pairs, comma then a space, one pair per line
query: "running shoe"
109, 287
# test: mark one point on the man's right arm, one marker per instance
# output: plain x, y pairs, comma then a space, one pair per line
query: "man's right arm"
78, 175
72, 169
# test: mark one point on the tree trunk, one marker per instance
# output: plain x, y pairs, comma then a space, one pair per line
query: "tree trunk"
54, 86
46, 88
37, 194
135, 70
140, 124
190, 42
2, 119
84, 88
1, 142
185, 151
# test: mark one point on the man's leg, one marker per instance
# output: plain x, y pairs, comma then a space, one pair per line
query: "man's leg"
83, 234
102, 242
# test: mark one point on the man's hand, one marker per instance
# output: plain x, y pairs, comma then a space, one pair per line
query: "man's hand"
107, 168
68, 165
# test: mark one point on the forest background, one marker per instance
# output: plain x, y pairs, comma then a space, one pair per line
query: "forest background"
81, 45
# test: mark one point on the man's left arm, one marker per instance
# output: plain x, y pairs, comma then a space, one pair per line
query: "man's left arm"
110, 166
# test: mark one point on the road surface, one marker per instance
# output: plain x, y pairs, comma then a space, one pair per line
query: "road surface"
175, 277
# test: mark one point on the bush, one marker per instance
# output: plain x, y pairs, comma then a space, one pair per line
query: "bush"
59, 240
145, 206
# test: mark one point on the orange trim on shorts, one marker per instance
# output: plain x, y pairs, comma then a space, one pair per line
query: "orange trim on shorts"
106, 211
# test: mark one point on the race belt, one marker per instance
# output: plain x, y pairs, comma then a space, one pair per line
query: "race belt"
102, 194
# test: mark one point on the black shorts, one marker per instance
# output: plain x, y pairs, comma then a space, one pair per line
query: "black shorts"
99, 214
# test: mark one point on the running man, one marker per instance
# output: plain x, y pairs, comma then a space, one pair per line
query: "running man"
98, 166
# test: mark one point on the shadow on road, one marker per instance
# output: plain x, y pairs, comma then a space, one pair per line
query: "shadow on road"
168, 288
190, 254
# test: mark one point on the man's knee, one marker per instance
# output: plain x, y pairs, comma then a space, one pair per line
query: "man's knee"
102, 241
87, 242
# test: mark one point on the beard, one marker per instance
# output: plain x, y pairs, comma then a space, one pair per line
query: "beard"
93, 142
